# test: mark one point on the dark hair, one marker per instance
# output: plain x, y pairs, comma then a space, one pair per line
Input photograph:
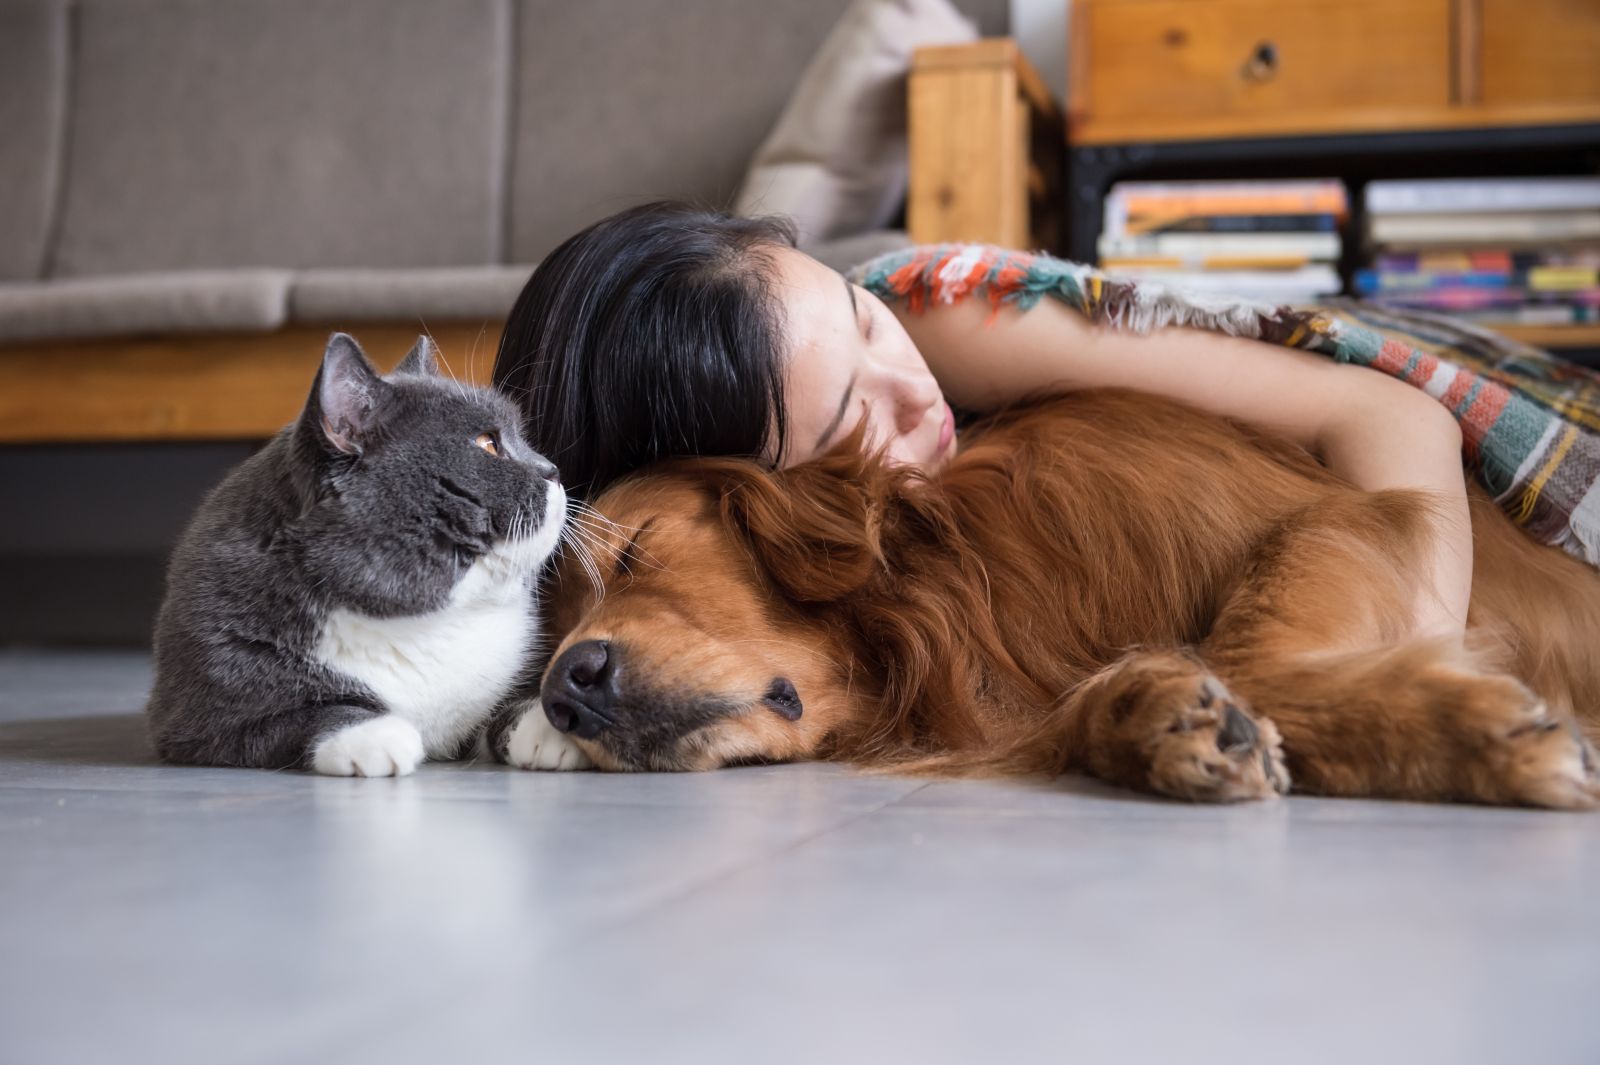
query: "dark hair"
651, 334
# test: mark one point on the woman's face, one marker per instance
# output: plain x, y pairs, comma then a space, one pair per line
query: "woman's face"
850, 361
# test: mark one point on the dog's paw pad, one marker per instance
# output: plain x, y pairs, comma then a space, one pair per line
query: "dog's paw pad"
1214, 751
535, 744
384, 746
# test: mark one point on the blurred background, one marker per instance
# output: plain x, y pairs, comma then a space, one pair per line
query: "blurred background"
194, 192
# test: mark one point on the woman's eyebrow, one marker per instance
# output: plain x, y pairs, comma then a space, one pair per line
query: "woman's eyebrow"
850, 290
844, 405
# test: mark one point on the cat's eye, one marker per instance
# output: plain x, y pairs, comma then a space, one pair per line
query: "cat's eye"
490, 442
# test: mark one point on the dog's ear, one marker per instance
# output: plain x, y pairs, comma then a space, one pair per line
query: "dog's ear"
817, 534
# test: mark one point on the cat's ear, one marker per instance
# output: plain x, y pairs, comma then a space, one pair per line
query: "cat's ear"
421, 359
346, 394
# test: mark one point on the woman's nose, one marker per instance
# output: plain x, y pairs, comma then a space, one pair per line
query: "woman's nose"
915, 397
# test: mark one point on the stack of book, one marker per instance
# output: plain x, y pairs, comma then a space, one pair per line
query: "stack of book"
1510, 251
1275, 241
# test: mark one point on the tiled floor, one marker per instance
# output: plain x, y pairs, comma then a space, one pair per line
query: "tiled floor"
788, 914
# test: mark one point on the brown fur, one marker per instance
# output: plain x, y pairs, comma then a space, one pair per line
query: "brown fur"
1103, 582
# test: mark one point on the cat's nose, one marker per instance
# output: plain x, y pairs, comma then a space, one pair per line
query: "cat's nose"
544, 469
580, 689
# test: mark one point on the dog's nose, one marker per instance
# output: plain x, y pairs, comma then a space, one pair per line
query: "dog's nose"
580, 689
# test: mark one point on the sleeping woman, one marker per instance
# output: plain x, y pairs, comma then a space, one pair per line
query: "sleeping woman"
668, 330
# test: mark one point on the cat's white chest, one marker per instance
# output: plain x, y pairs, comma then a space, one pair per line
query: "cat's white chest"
445, 671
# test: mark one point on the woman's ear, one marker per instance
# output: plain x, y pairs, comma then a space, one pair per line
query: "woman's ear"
814, 532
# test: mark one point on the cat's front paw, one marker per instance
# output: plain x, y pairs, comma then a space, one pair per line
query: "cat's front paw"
535, 744
385, 746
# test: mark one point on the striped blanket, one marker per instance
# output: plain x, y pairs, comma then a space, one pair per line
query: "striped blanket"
1531, 423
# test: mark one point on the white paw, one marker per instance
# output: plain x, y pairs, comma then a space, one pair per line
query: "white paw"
535, 744
385, 746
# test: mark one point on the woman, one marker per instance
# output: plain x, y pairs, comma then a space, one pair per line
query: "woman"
671, 330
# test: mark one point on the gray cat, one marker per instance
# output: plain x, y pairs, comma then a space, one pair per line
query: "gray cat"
359, 594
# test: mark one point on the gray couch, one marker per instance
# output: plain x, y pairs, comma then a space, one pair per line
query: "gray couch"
207, 174
193, 166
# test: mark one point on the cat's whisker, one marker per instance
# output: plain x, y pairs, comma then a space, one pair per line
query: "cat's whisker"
590, 540
591, 569
593, 512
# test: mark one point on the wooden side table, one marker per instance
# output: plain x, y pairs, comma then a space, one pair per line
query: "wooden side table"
986, 148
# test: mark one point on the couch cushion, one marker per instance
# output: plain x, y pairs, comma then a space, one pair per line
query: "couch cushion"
619, 102
134, 304
613, 108
455, 293
33, 83
289, 133
836, 162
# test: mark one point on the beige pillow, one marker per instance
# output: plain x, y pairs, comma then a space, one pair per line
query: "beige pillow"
836, 160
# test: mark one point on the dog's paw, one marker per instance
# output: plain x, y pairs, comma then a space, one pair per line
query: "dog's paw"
1211, 749
1161, 721
384, 746
535, 744
1533, 757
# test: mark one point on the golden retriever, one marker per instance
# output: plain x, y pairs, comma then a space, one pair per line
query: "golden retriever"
1103, 582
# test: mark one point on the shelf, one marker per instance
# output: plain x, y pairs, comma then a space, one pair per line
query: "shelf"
1552, 336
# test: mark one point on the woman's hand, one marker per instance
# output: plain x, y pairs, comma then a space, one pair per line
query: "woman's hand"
1375, 431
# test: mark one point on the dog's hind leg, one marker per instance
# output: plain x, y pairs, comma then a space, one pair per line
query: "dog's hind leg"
1316, 638
1544, 607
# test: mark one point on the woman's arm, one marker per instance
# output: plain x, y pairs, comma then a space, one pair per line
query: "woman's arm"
1371, 429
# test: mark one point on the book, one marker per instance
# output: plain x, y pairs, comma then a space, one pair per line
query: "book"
1373, 282
1238, 223
1563, 278
1453, 195
1485, 260
1205, 262
1203, 199
1468, 228
1311, 246
1476, 260
1304, 285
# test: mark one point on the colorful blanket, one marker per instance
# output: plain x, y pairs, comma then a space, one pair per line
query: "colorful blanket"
1531, 423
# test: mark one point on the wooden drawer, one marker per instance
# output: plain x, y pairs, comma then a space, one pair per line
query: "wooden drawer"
1143, 63
1540, 51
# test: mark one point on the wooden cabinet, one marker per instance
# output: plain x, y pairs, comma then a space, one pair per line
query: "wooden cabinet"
1152, 63
1159, 70
1534, 52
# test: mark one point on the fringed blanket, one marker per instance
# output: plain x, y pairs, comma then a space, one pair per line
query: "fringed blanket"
1531, 423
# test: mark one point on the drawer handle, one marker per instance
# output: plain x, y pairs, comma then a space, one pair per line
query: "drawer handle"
1262, 64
